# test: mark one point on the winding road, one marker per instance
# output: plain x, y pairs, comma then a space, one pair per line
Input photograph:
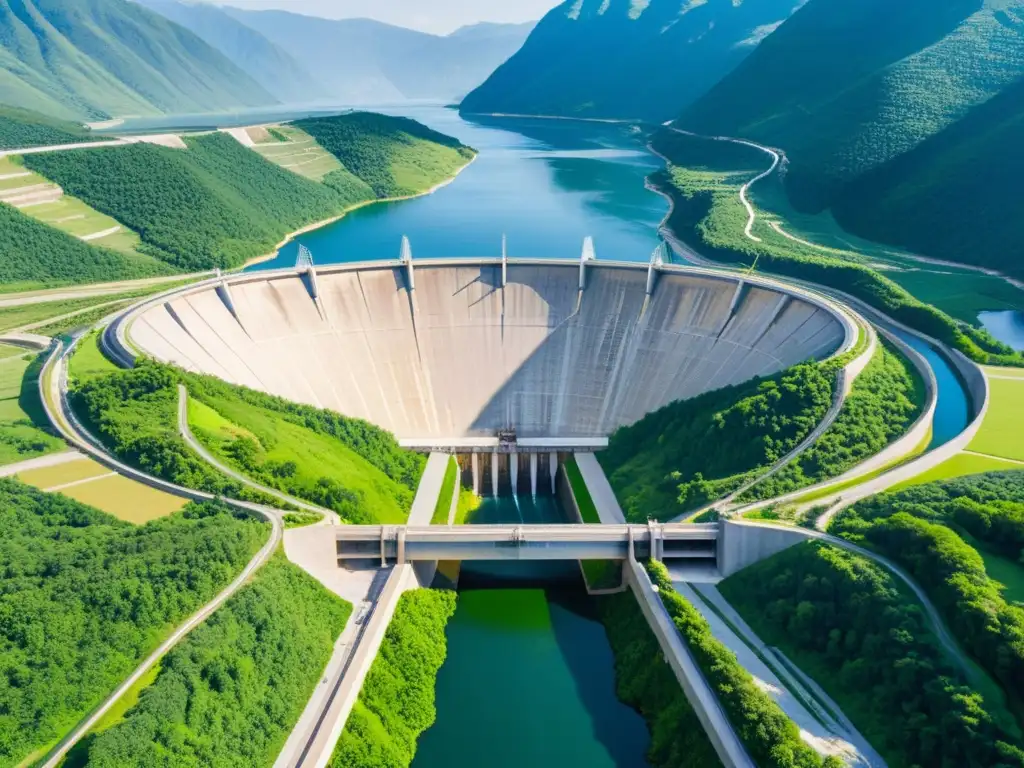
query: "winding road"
54, 395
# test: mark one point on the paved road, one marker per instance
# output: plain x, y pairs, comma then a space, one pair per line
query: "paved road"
41, 462
212, 460
53, 391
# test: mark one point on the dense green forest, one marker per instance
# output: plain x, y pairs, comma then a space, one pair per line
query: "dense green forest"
348, 465
20, 128
396, 703
648, 685
625, 59
694, 451
85, 597
704, 179
217, 203
885, 400
946, 535
232, 691
772, 739
33, 255
396, 156
848, 623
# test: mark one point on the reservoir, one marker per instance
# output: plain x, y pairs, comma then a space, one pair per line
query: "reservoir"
545, 184
529, 679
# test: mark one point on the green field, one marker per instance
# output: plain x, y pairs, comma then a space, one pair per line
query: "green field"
22, 418
958, 466
88, 361
297, 151
8, 351
1002, 433
467, 506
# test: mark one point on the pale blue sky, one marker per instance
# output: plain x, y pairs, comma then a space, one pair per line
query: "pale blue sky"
438, 16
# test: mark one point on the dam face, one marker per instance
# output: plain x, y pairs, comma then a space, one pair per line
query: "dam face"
462, 355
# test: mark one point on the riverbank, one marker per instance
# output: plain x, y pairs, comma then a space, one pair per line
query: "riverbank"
364, 204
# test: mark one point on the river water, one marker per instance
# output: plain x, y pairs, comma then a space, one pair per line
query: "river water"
529, 679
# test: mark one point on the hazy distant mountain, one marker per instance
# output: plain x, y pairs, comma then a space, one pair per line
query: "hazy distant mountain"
77, 58
624, 58
364, 61
267, 64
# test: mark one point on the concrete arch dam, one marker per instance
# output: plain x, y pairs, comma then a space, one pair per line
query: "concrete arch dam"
455, 350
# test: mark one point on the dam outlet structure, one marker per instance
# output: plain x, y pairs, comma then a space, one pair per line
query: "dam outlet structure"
452, 354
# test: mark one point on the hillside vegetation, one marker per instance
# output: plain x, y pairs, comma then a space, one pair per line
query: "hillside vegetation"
344, 464
847, 623
23, 128
678, 739
885, 400
626, 59
694, 451
34, 255
951, 197
218, 204
704, 179
772, 740
112, 57
396, 156
939, 533
846, 85
396, 703
86, 597
232, 691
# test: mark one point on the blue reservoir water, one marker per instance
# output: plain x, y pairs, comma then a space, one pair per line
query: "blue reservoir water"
545, 184
1006, 325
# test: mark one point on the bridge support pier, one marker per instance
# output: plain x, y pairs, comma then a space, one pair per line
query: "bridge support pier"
513, 471
533, 475
553, 465
494, 475
474, 460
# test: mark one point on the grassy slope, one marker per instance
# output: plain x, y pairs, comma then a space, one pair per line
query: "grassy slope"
1001, 432
292, 148
231, 693
444, 498
219, 419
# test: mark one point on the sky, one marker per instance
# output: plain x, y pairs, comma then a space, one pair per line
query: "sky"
437, 16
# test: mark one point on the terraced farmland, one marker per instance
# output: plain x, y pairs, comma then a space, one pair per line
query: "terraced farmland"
294, 149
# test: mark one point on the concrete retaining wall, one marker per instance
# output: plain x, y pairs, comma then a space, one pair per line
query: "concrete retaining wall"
742, 545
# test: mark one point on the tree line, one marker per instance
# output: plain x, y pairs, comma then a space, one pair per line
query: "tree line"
86, 597
771, 738
847, 622
233, 690
396, 703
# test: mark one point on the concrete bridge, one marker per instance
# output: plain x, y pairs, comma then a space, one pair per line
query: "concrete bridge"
725, 547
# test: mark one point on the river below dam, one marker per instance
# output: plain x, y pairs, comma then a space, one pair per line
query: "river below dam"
529, 679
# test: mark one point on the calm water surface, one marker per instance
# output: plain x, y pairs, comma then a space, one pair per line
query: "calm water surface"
545, 184
1007, 326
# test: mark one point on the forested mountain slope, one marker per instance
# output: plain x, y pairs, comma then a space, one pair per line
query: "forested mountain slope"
266, 63
844, 86
23, 128
956, 195
365, 61
97, 58
623, 58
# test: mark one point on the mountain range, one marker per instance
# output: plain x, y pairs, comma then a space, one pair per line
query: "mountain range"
627, 59
91, 59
